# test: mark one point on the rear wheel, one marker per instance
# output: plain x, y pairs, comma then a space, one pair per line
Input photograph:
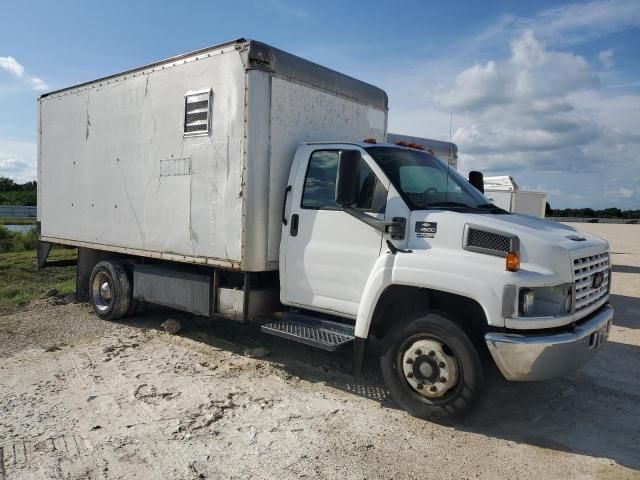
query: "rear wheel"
432, 368
110, 290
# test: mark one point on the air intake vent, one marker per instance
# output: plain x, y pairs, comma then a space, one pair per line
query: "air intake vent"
197, 113
482, 240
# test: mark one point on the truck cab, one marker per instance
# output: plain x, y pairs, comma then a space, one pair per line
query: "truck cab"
390, 239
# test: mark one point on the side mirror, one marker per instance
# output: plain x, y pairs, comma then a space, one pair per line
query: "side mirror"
347, 179
477, 180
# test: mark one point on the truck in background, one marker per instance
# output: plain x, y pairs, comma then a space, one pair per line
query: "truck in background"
505, 193
243, 183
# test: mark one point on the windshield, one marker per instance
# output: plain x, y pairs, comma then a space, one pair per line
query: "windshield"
426, 182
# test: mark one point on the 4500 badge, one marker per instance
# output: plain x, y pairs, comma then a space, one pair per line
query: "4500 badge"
426, 229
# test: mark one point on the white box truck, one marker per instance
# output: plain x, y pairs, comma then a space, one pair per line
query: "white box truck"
504, 192
244, 183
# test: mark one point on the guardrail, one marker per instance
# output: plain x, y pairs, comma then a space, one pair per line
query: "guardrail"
17, 211
594, 220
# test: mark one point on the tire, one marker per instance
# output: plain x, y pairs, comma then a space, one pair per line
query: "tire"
110, 290
419, 355
138, 307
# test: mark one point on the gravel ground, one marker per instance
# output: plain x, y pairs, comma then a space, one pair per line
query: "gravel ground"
84, 398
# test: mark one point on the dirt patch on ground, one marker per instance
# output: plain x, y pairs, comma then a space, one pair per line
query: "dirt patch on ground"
83, 398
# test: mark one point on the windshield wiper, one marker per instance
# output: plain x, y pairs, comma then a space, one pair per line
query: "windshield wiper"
492, 208
448, 204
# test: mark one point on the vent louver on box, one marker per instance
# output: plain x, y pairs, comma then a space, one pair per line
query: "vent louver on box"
484, 241
197, 109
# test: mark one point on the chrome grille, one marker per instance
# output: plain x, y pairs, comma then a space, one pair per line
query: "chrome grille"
584, 270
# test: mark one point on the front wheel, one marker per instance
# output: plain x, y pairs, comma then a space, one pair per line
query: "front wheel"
432, 368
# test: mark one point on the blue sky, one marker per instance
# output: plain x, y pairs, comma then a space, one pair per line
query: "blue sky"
545, 91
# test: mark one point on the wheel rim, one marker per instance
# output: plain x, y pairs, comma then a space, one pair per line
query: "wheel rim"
102, 291
430, 367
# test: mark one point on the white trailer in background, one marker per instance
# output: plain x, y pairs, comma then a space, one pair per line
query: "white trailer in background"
505, 193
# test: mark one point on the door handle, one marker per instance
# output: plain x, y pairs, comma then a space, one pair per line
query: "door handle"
284, 204
294, 225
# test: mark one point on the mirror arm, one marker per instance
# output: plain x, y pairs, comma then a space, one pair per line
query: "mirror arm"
396, 228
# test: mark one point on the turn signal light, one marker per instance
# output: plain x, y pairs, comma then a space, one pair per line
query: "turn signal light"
513, 261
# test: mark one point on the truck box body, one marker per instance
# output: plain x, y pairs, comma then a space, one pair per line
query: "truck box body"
187, 159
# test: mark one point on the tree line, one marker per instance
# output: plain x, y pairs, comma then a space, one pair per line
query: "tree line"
12, 193
9, 185
591, 213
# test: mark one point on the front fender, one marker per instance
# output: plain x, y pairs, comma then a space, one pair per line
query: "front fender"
478, 277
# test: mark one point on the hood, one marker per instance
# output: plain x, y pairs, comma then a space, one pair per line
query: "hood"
544, 244
547, 230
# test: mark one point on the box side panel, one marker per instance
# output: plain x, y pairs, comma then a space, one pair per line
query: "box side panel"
38, 176
256, 188
300, 113
115, 168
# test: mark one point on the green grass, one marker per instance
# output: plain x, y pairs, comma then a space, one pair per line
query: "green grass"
21, 282
17, 220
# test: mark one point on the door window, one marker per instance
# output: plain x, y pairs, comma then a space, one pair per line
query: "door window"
320, 185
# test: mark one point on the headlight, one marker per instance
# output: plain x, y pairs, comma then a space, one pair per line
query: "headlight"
545, 301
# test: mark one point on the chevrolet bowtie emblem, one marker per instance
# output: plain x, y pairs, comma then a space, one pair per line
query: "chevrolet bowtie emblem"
597, 279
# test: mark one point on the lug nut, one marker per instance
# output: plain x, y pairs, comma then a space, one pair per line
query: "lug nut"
419, 386
409, 375
441, 365
410, 361
432, 353
443, 380
418, 352
434, 389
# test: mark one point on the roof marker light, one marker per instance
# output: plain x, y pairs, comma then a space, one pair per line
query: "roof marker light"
415, 146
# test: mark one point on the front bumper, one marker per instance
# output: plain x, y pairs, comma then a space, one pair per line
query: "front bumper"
543, 356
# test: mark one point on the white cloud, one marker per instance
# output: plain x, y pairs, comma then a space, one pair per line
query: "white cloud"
539, 109
569, 24
18, 160
626, 192
606, 58
38, 83
535, 109
537, 113
532, 74
12, 66
287, 9
476, 87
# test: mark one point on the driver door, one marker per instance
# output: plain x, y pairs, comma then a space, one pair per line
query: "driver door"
328, 254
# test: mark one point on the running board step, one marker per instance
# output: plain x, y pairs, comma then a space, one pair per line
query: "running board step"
311, 331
